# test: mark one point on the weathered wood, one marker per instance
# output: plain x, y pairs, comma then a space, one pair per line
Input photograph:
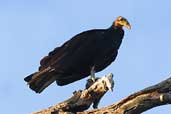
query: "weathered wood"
157, 95
82, 100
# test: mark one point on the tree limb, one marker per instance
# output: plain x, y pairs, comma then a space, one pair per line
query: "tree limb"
156, 95
82, 100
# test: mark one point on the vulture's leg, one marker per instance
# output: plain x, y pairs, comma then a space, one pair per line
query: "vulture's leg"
92, 74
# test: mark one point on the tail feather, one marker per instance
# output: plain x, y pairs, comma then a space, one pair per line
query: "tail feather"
38, 81
28, 78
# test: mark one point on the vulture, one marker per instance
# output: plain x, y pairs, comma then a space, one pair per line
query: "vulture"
84, 54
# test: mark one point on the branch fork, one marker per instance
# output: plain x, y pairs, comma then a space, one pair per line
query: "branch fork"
153, 96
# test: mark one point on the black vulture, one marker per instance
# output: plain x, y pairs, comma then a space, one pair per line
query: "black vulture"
83, 55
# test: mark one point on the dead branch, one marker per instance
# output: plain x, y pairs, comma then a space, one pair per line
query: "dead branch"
82, 100
156, 95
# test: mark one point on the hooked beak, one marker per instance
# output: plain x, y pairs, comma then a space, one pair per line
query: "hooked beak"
127, 25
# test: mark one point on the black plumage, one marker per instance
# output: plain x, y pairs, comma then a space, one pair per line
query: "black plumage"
73, 60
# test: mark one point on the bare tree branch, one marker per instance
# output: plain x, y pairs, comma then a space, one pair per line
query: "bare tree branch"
82, 100
156, 95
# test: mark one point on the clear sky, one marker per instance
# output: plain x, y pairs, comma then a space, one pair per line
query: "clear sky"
29, 29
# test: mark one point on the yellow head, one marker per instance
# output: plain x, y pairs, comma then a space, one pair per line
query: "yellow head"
121, 21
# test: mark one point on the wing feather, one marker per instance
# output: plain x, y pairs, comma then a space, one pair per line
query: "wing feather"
79, 48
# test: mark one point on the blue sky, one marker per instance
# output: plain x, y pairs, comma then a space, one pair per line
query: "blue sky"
29, 29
